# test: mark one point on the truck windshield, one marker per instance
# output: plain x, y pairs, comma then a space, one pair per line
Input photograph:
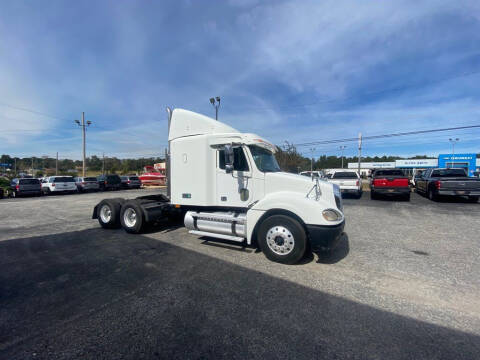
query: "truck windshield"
264, 159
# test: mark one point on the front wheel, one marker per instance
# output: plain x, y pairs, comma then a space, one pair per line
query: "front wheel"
131, 217
282, 239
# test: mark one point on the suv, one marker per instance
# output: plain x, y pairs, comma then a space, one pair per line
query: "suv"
130, 182
109, 182
26, 186
86, 184
58, 184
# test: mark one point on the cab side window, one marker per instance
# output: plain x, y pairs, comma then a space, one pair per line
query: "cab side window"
240, 162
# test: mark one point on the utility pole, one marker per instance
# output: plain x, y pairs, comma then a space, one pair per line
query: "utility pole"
103, 165
453, 141
342, 147
32, 166
15, 166
56, 164
83, 125
216, 104
359, 152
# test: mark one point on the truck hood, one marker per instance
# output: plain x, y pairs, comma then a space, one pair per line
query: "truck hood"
282, 181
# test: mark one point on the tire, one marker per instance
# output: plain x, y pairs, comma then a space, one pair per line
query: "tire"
373, 196
431, 194
283, 228
131, 217
108, 213
407, 197
473, 199
13, 194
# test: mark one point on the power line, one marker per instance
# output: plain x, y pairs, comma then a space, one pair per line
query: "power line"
385, 135
32, 111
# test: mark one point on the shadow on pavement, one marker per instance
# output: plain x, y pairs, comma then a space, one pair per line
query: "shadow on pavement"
107, 294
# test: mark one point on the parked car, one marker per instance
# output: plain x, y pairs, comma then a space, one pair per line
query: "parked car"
109, 182
58, 184
2, 193
449, 182
348, 181
130, 182
86, 184
316, 174
389, 182
26, 186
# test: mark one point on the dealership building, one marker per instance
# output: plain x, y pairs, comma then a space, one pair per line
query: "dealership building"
469, 162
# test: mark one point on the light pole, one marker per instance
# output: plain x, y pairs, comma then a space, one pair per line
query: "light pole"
83, 125
216, 104
311, 162
453, 141
342, 147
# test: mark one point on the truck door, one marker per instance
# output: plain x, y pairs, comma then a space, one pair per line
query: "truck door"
234, 189
421, 183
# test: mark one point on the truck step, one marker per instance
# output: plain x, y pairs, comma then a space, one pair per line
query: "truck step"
218, 236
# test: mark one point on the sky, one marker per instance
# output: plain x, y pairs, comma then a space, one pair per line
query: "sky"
295, 71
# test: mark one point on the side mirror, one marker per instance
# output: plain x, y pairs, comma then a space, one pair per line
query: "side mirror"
229, 158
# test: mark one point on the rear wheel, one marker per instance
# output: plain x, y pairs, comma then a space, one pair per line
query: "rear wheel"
407, 197
373, 196
432, 195
131, 217
282, 239
108, 213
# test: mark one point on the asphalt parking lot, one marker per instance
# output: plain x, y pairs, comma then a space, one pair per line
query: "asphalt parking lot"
403, 284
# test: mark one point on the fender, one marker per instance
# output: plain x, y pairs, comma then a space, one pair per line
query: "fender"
308, 210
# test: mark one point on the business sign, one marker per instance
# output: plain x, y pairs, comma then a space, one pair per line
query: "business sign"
372, 165
416, 163
466, 161
5, 165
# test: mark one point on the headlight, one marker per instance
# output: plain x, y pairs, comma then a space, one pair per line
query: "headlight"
331, 215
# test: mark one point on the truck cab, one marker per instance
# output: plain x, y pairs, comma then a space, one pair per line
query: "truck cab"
230, 186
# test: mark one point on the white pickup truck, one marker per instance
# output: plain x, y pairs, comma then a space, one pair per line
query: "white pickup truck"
348, 181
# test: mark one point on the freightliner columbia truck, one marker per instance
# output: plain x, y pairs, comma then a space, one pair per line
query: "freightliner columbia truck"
228, 185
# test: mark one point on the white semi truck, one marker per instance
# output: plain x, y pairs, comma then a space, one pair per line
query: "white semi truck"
228, 185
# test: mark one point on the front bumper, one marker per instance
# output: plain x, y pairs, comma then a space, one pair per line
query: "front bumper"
392, 191
350, 191
325, 237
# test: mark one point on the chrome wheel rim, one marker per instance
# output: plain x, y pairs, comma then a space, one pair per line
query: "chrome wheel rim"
130, 217
280, 240
105, 214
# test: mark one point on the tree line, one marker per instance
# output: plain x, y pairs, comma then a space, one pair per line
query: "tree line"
47, 165
288, 158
